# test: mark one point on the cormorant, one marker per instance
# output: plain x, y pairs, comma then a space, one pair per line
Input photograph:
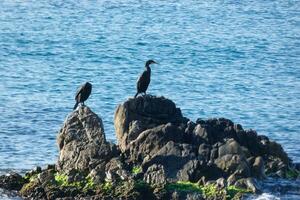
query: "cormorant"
83, 94
144, 80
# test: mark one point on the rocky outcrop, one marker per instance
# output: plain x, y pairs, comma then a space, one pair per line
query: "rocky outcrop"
160, 155
152, 131
142, 113
81, 141
12, 181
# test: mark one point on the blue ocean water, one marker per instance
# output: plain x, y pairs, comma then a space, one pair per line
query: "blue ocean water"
217, 58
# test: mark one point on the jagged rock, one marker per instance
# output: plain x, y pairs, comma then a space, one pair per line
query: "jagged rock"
233, 163
275, 167
190, 171
82, 142
231, 180
33, 190
46, 177
249, 184
183, 195
250, 139
232, 147
258, 168
142, 113
173, 157
155, 176
152, 140
221, 183
74, 175
204, 152
34, 171
276, 150
98, 173
213, 130
12, 181
115, 170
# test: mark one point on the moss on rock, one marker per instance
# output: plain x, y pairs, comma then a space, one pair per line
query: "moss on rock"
210, 191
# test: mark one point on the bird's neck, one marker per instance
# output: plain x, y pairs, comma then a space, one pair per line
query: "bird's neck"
148, 68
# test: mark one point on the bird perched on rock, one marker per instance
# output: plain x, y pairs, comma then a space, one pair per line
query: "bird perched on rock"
83, 94
144, 79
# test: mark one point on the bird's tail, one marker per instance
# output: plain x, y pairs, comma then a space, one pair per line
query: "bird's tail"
136, 95
75, 106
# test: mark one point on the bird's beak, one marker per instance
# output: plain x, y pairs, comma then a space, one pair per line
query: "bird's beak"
155, 62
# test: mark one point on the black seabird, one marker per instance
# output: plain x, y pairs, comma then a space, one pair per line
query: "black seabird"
144, 80
83, 94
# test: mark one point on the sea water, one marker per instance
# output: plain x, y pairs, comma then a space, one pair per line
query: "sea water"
217, 58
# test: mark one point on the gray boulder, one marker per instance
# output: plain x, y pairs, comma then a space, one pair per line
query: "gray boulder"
179, 161
142, 113
12, 181
81, 141
115, 170
150, 141
232, 147
233, 163
213, 130
258, 168
249, 184
155, 176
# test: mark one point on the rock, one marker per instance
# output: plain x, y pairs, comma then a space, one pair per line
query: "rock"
12, 181
276, 150
232, 147
157, 147
258, 168
115, 170
204, 152
173, 157
98, 173
190, 171
275, 167
155, 176
33, 172
221, 183
82, 142
50, 167
74, 175
214, 130
194, 196
33, 190
201, 135
38, 169
231, 180
183, 195
46, 178
142, 113
152, 140
233, 163
249, 184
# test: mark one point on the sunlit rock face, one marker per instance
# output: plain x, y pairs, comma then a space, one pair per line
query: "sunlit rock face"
81, 141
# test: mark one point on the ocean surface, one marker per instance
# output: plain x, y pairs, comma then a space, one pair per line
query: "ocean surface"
217, 58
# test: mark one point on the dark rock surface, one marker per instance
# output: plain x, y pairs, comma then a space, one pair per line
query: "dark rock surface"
12, 181
160, 155
137, 115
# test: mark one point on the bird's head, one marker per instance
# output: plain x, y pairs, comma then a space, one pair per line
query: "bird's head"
149, 62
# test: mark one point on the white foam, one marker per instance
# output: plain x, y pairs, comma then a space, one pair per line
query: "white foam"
266, 196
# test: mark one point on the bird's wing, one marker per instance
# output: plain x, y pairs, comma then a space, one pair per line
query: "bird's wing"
143, 80
79, 91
